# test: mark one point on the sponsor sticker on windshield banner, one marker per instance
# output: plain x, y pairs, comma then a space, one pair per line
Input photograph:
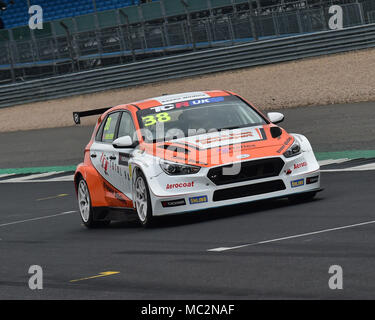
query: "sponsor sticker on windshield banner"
183, 104
182, 97
160, 114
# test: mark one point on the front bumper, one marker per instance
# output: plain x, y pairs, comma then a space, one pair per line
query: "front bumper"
299, 174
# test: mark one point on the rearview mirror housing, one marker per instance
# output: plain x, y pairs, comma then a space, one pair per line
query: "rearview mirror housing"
123, 142
275, 117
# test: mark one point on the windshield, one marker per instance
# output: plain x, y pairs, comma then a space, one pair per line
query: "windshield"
196, 117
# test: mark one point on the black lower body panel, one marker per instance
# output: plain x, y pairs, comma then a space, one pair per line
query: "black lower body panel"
249, 190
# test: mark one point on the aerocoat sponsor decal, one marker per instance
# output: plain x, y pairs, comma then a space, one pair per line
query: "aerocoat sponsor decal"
297, 183
300, 165
197, 200
180, 185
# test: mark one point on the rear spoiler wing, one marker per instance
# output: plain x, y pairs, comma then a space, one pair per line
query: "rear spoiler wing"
78, 115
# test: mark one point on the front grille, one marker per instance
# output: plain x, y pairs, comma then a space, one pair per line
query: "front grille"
249, 190
250, 170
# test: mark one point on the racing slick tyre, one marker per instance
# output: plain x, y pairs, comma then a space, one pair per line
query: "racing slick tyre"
143, 201
303, 197
85, 208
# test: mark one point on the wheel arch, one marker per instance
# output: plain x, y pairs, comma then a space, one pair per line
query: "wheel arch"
94, 182
77, 177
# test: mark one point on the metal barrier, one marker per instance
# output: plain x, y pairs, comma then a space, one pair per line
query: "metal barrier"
79, 44
191, 64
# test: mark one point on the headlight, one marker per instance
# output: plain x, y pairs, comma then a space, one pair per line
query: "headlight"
173, 168
294, 150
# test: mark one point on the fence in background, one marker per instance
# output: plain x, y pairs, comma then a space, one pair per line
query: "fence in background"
114, 37
190, 64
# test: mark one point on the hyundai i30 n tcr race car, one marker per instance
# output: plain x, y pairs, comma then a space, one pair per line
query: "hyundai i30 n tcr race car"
188, 152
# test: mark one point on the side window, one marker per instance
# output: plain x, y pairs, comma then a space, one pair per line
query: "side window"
110, 127
99, 133
126, 127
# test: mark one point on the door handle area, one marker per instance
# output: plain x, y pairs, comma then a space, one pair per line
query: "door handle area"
112, 158
93, 155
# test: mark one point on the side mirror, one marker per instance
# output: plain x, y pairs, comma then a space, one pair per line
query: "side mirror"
275, 117
123, 142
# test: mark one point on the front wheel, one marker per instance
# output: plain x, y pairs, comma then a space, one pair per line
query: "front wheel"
143, 201
85, 208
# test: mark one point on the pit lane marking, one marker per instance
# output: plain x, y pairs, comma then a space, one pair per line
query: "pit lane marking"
38, 218
100, 275
221, 249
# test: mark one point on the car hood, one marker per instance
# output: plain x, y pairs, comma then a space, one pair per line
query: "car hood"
224, 147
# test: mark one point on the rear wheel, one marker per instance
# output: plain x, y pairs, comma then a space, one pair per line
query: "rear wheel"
303, 197
85, 208
143, 201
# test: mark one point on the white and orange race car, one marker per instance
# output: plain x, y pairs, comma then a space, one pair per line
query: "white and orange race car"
186, 152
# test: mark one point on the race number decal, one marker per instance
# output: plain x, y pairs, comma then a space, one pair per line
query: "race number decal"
152, 120
149, 121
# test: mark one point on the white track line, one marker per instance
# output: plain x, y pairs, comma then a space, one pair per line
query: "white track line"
32, 176
220, 249
364, 167
64, 178
34, 219
332, 161
42, 176
6, 175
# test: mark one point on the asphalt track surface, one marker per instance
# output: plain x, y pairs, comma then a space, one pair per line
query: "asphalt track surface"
287, 250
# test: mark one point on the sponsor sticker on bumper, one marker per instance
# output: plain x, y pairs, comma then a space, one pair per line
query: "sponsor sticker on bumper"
173, 203
197, 200
297, 183
311, 180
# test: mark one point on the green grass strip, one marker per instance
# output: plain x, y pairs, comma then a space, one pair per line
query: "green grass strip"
350, 154
37, 170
